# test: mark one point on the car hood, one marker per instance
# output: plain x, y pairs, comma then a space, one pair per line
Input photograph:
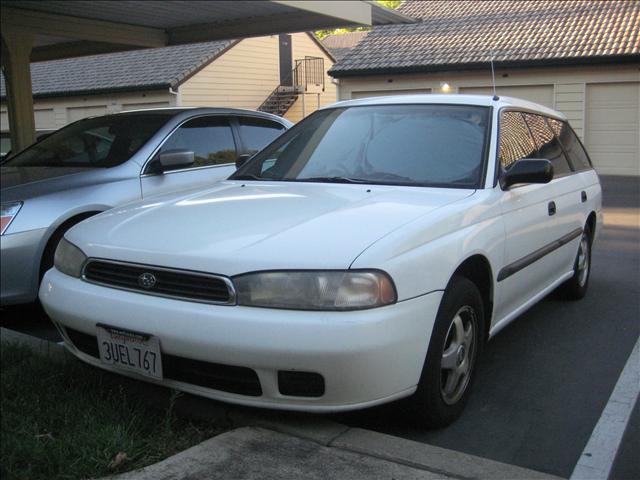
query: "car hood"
237, 227
22, 183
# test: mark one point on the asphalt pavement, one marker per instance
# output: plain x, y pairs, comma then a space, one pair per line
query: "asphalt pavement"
543, 382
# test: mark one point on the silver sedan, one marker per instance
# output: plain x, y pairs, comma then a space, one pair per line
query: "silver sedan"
97, 163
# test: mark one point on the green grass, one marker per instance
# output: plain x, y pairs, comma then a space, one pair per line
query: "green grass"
63, 419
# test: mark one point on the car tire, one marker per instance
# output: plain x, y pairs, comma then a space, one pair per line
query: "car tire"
455, 346
576, 287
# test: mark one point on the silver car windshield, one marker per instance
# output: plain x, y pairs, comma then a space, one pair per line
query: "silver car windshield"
98, 142
421, 145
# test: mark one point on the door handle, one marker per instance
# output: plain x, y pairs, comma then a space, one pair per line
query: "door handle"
583, 196
552, 208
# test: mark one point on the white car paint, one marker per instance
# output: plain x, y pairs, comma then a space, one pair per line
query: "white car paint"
419, 236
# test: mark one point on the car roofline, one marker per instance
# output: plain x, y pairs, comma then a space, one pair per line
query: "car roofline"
456, 99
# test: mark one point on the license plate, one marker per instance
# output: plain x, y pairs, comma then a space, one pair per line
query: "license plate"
129, 350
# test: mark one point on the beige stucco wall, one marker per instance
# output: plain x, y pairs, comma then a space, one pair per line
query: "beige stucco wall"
246, 74
56, 112
568, 84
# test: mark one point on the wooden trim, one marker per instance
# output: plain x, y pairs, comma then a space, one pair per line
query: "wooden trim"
81, 28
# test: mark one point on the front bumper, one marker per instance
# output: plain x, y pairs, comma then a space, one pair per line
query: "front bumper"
365, 357
20, 259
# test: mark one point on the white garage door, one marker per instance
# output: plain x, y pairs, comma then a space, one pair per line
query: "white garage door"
77, 113
612, 127
386, 93
542, 94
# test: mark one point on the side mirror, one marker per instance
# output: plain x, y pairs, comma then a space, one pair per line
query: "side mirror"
242, 159
530, 170
178, 158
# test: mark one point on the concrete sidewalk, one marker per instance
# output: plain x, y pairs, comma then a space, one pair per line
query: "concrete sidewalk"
280, 445
250, 453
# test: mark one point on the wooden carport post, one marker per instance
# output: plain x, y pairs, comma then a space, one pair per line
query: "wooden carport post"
16, 52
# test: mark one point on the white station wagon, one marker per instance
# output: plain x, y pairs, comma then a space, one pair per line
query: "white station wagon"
365, 255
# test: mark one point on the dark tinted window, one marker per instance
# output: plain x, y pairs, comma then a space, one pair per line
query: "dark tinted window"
441, 145
209, 138
95, 142
548, 144
515, 139
257, 133
572, 146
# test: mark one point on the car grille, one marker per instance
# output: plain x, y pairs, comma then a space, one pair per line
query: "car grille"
159, 281
226, 378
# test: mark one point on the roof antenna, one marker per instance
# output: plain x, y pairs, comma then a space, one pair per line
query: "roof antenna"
493, 80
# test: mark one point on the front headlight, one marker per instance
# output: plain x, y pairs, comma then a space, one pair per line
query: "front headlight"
69, 259
315, 290
8, 212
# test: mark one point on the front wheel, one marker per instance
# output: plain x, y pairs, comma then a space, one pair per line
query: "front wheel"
576, 287
456, 342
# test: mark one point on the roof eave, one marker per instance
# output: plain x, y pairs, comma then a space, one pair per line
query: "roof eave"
549, 62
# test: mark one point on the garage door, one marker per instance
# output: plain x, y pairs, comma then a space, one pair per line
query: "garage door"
542, 94
612, 127
386, 93
76, 113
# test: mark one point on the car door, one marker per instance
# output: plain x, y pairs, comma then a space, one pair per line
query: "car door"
530, 223
568, 186
215, 151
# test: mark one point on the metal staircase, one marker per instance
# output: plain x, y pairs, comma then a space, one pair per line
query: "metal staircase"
308, 72
280, 100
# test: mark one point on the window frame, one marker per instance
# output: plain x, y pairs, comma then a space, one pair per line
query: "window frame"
499, 171
573, 167
486, 148
146, 168
244, 150
545, 118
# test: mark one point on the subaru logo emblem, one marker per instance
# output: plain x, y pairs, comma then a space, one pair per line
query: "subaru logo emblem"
147, 280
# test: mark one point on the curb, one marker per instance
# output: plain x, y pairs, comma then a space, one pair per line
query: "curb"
44, 347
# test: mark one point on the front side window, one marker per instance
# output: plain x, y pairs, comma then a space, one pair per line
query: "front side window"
99, 142
572, 146
548, 145
209, 138
516, 141
257, 133
421, 145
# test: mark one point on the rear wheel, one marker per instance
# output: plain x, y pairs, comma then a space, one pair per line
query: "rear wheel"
454, 348
576, 287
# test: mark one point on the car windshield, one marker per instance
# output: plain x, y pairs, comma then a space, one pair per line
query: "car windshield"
418, 145
98, 142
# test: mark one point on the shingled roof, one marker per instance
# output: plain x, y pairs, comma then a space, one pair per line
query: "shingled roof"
455, 35
339, 44
132, 70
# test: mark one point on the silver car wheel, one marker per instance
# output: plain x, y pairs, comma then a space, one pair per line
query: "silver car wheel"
458, 355
583, 263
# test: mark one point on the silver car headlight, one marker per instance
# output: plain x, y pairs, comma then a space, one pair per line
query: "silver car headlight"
69, 259
8, 212
315, 290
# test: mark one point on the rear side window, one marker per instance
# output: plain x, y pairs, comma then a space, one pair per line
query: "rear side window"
515, 140
548, 144
572, 146
210, 139
257, 133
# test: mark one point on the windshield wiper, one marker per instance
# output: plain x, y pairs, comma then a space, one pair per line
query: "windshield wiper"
332, 180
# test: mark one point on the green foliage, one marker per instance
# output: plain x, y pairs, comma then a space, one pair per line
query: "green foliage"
392, 4
64, 419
